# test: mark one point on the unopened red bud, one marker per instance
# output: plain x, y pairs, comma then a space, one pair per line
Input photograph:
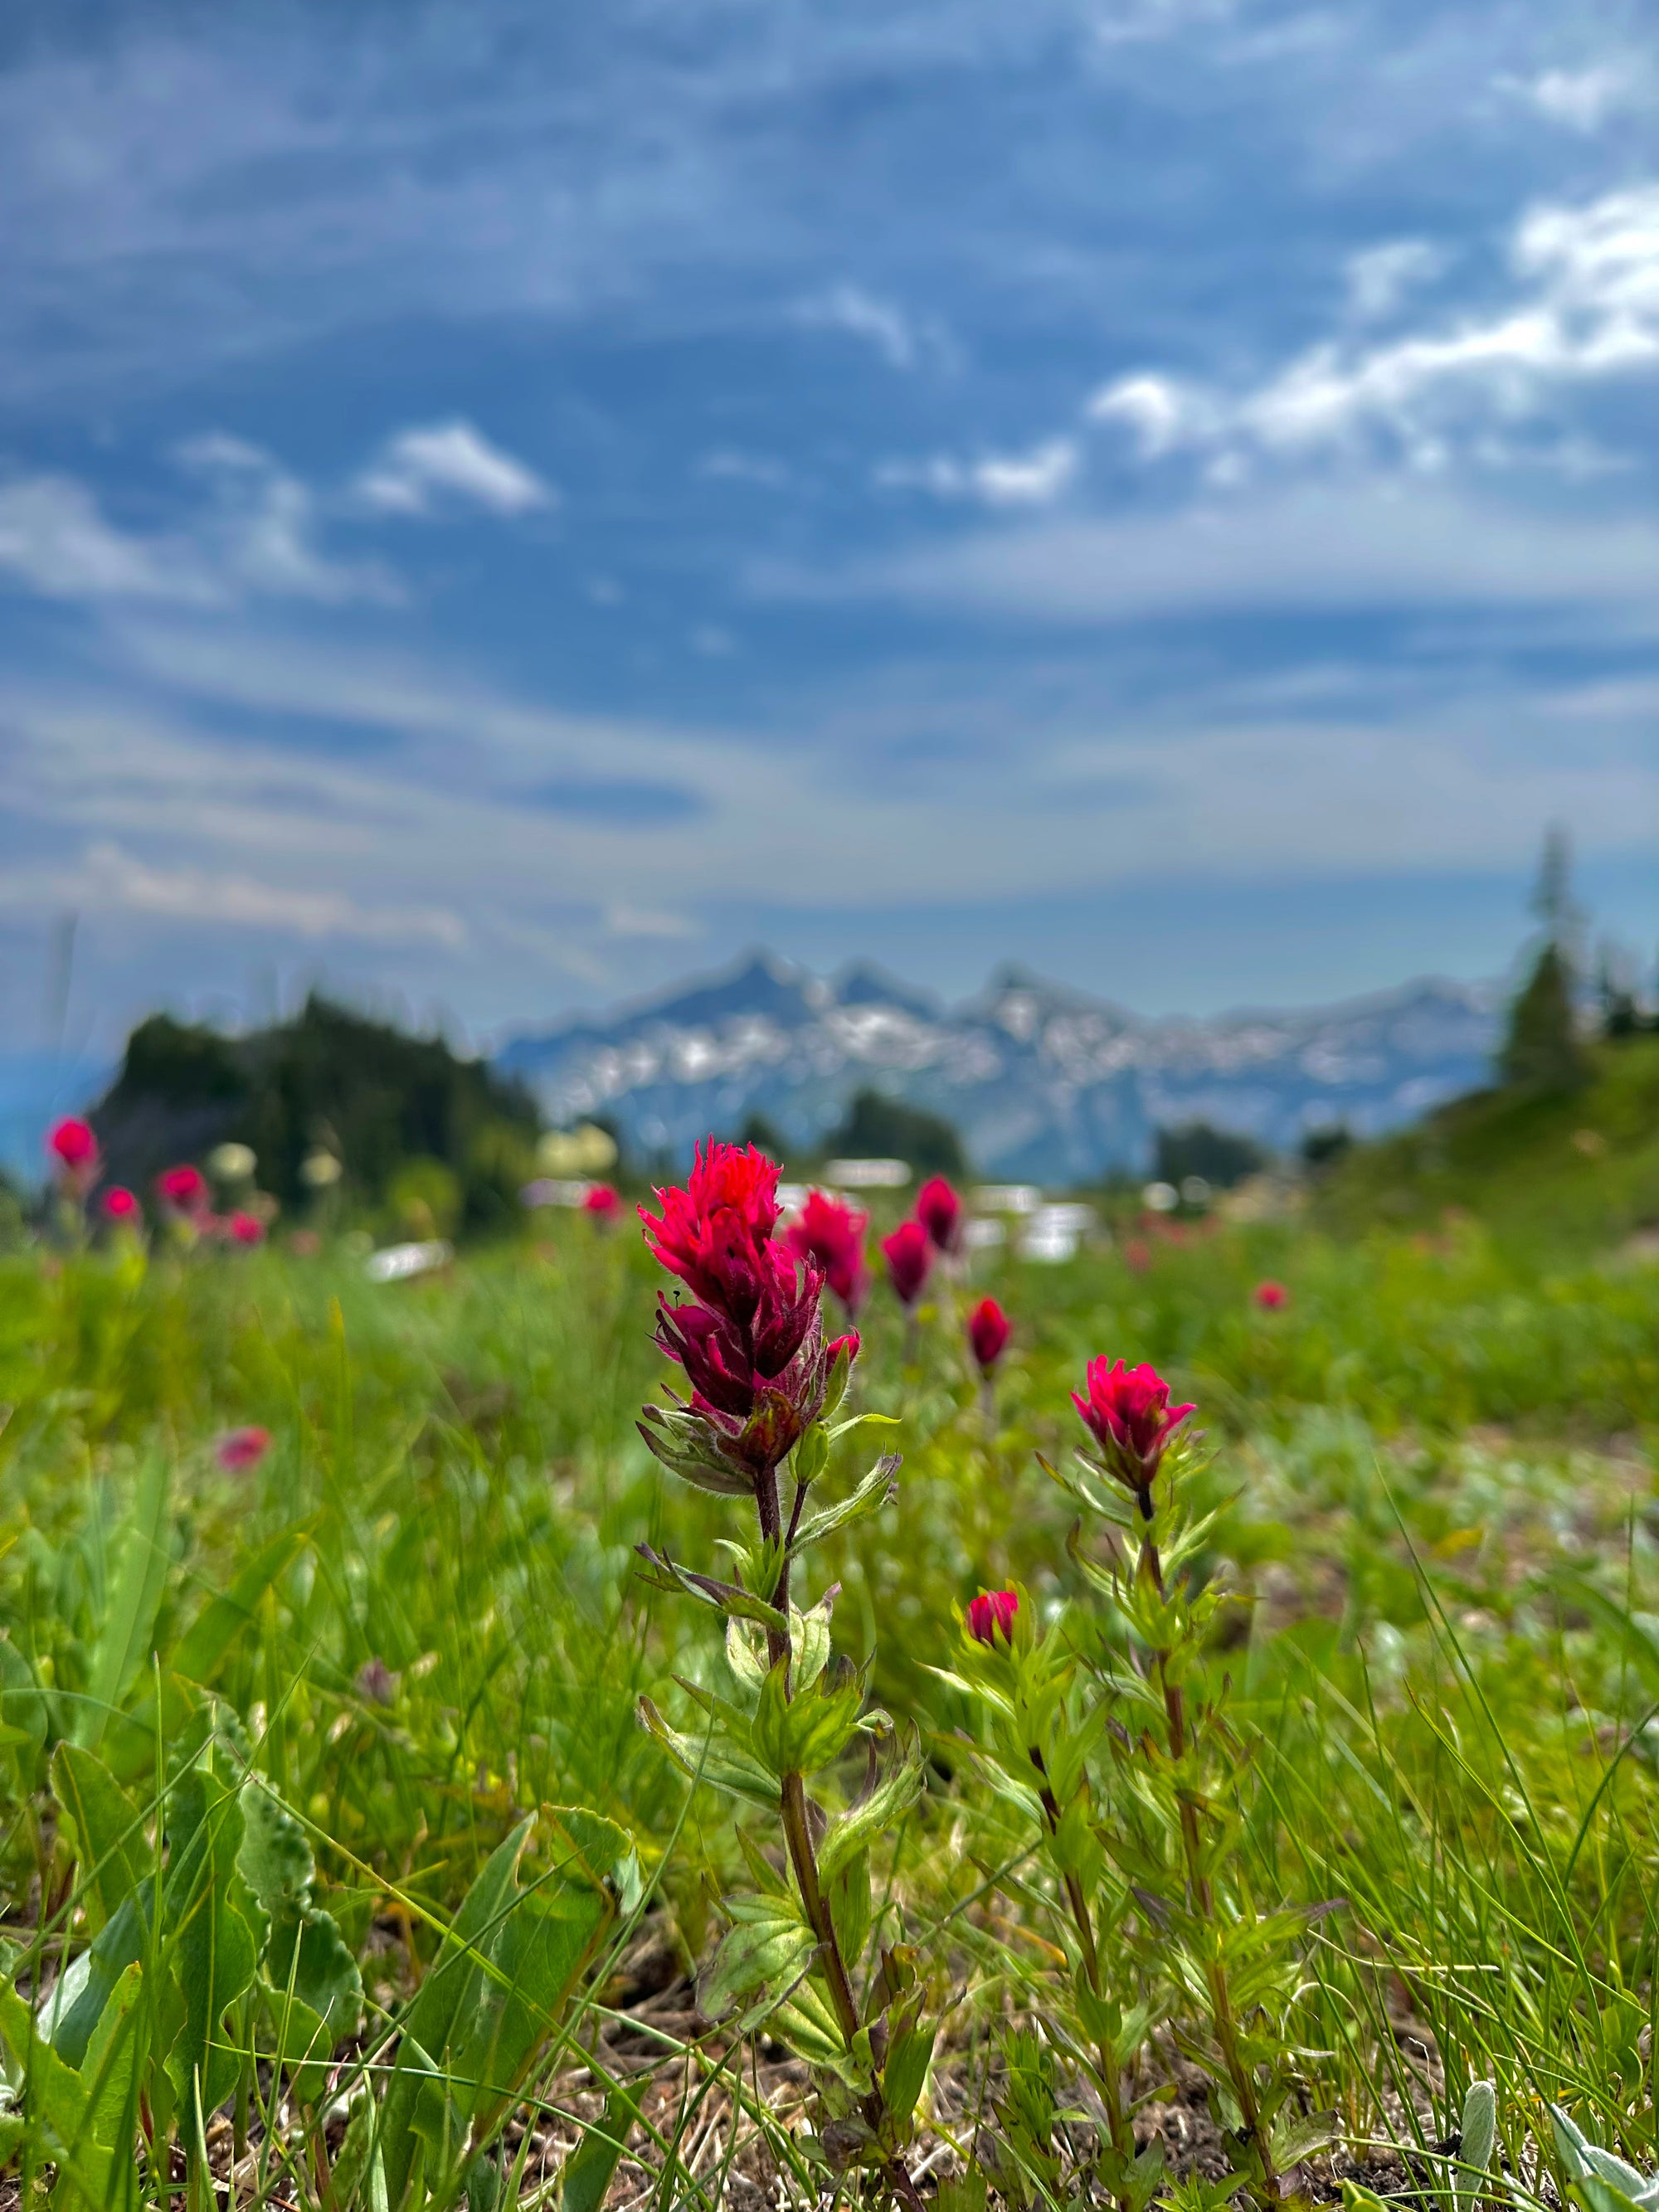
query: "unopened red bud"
993, 1612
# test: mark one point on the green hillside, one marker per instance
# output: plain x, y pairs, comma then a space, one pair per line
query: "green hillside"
1578, 1168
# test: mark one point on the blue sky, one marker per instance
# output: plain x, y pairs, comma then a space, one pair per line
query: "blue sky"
499, 506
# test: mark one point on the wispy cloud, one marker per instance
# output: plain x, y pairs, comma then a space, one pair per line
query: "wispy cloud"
1035, 477
900, 339
255, 534
56, 539
442, 461
1380, 277
1304, 548
1582, 99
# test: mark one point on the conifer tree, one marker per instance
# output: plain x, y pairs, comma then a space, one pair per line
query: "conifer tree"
1542, 1052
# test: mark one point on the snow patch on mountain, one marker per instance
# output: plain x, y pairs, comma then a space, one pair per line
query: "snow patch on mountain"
1045, 1084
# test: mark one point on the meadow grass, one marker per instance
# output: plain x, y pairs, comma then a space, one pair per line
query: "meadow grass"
1433, 1486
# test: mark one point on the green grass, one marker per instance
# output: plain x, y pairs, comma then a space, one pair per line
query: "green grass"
1435, 1484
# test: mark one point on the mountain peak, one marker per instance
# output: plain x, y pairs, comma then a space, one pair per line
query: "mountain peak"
1045, 1083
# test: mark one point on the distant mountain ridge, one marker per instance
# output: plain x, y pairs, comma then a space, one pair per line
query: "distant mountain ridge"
1044, 1082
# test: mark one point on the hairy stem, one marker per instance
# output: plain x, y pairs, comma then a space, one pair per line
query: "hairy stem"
798, 1838
1111, 2088
1215, 1974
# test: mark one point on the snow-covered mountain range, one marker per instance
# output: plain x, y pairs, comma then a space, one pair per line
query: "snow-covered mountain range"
1043, 1083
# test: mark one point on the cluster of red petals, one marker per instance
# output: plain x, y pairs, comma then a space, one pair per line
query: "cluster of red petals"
988, 1331
602, 1203
238, 1449
244, 1229
992, 1612
1270, 1295
716, 1234
938, 1209
1128, 1410
73, 1145
908, 1253
752, 1346
829, 1235
119, 1204
183, 1188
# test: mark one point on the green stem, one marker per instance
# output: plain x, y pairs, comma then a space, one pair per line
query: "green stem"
1111, 2089
1215, 1974
798, 1838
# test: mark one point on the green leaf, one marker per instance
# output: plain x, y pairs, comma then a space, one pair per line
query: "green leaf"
589, 2169
497, 1990
123, 1639
724, 1765
846, 1893
1477, 2138
799, 1734
108, 1831
877, 1487
761, 1957
857, 1828
213, 1951
905, 2074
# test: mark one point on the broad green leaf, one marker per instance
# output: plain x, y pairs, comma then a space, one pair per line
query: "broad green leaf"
763, 1955
724, 1766
855, 1830
108, 1830
213, 1949
429, 2021
134, 1599
589, 2169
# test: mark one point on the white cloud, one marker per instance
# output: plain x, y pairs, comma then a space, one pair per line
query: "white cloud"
55, 538
255, 536
860, 314
1034, 478
1582, 99
453, 458
1585, 306
109, 878
1381, 277
1377, 543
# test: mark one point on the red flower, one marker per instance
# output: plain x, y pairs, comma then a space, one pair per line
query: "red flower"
1270, 1295
119, 1204
184, 1189
74, 1147
837, 1345
752, 1347
991, 1611
940, 1212
909, 1258
830, 1234
602, 1202
245, 1229
713, 1234
238, 1449
988, 1331
1138, 1254
1129, 1411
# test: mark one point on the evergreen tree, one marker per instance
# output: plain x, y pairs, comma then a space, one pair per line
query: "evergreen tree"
1542, 1052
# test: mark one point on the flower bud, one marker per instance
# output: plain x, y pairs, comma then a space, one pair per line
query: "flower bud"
988, 1331
909, 1258
938, 1209
993, 1613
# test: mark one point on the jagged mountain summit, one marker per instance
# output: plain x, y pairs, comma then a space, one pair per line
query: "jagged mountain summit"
1045, 1084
